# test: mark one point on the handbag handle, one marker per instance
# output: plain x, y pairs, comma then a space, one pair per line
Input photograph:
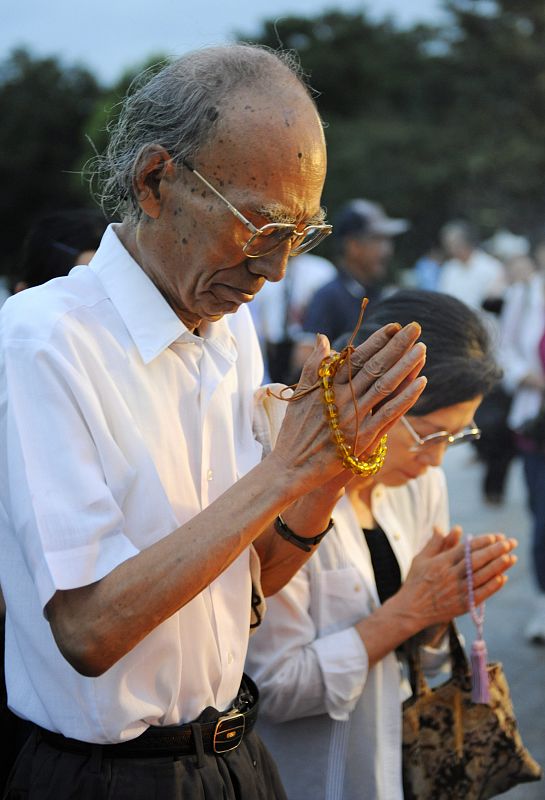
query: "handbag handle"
460, 666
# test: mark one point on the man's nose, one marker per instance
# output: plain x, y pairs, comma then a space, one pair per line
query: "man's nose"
272, 266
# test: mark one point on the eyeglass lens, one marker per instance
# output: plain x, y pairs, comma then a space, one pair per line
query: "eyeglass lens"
465, 436
270, 237
267, 239
311, 238
451, 440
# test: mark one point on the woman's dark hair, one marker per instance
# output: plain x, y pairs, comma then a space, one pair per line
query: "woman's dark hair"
459, 361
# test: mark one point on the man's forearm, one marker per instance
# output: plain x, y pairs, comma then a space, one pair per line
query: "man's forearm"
307, 517
96, 625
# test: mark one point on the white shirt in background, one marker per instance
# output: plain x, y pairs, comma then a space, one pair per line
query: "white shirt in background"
473, 281
522, 325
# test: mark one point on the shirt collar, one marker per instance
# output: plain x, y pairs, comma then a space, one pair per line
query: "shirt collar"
150, 321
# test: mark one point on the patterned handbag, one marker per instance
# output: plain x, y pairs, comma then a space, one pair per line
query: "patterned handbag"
454, 748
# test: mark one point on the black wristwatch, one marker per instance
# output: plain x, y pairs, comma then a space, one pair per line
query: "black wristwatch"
305, 543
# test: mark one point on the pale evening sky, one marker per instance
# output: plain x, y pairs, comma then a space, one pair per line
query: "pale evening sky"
110, 35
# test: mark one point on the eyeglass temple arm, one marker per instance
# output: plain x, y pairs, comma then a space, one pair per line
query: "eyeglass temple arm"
416, 437
232, 209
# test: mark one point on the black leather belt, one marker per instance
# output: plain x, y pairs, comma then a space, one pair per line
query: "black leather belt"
224, 732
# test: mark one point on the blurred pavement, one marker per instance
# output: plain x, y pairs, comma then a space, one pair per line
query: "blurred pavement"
508, 611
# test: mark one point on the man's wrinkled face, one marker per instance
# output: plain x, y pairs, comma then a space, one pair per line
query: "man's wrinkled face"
267, 157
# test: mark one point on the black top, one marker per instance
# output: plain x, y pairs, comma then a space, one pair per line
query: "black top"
385, 566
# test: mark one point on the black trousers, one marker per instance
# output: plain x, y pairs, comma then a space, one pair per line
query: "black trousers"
44, 773
496, 447
14, 731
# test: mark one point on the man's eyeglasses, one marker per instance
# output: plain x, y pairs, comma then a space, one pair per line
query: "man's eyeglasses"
441, 437
271, 236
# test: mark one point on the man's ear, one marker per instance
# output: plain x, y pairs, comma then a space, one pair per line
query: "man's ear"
153, 166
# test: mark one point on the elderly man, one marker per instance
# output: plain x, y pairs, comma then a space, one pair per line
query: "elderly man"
136, 504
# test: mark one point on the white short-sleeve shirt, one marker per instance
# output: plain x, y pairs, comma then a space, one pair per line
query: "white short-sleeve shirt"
118, 425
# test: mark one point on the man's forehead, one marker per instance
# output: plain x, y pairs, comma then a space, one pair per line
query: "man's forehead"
268, 154
283, 173
262, 123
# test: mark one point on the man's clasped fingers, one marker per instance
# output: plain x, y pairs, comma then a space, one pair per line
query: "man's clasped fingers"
373, 426
379, 354
391, 396
391, 382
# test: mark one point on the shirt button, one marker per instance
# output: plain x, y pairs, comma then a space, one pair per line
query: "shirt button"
397, 537
357, 588
209, 475
229, 657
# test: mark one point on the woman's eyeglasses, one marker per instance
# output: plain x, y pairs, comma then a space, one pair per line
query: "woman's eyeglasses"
441, 437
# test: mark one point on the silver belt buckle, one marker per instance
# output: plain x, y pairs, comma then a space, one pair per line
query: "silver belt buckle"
228, 732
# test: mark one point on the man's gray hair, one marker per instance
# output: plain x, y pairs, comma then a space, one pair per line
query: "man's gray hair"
178, 108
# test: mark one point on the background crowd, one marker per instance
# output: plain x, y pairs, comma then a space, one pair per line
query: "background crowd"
423, 191
419, 195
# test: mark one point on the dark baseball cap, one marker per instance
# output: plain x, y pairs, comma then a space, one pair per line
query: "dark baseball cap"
363, 218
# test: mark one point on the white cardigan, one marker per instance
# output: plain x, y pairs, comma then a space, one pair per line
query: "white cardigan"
333, 725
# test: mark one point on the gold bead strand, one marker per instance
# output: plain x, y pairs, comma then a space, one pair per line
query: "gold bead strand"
326, 373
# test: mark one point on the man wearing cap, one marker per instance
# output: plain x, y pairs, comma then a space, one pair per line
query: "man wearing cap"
363, 235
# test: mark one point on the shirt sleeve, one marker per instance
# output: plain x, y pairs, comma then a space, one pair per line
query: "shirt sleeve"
512, 356
62, 468
299, 672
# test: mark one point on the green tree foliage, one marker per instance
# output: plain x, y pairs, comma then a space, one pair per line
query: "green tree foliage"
43, 107
497, 74
357, 66
107, 109
433, 122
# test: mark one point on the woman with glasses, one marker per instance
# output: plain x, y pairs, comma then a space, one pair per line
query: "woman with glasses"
327, 655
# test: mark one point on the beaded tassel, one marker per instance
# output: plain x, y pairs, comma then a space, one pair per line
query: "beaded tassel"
480, 691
